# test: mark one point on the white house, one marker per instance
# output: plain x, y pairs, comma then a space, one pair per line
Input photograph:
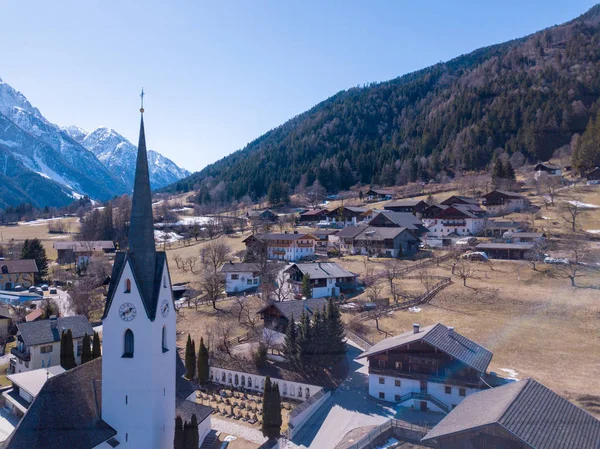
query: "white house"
327, 278
240, 277
285, 246
452, 221
499, 202
430, 368
38, 342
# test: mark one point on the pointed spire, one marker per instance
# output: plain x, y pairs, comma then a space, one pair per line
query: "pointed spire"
141, 226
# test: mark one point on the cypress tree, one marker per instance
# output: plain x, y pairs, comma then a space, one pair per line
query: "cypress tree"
277, 419
306, 288
318, 341
96, 350
86, 349
194, 435
63, 336
290, 345
203, 367
67, 353
178, 442
188, 435
190, 359
270, 429
335, 332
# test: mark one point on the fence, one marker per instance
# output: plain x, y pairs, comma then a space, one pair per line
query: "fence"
362, 342
400, 429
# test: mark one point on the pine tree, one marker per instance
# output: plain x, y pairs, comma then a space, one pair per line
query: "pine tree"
509, 171
304, 342
96, 350
86, 349
319, 341
190, 359
67, 355
178, 442
497, 173
203, 367
335, 332
33, 249
306, 289
290, 345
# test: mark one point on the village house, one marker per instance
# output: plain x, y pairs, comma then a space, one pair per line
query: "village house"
285, 246
548, 168
240, 277
452, 223
514, 251
431, 211
460, 200
381, 241
278, 314
593, 176
261, 216
327, 279
343, 216
412, 206
499, 202
379, 194
497, 228
38, 342
5, 321
312, 216
17, 272
26, 386
429, 368
389, 219
80, 252
519, 415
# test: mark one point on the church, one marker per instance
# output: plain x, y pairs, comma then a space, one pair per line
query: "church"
129, 397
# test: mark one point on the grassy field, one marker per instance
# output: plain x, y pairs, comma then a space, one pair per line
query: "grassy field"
535, 323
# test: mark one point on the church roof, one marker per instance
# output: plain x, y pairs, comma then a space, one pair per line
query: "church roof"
66, 413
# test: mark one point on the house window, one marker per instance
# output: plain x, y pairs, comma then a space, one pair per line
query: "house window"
462, 392
235, 277
382, 380
127, 285
397, 397
46, 349
249, 282
381, 395
398, 365
79, 348
397, 383
128, 344
381, 363
164, 339
448, 390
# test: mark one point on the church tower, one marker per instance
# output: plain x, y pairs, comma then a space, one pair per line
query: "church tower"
138, 348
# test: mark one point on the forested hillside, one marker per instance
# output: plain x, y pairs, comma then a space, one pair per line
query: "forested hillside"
528, 97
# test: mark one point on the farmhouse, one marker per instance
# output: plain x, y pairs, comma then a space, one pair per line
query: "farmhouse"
499, 202
261, 216
379, 194
285, 246
348, 216
80, 252
515, 251
412, 206
548, 168
312, 216
519, 415
430, 368
38, 342
389, 219
327, 279
277, 315
17, 272
431, 211
451, 223
381, 241
460, 200
240, 277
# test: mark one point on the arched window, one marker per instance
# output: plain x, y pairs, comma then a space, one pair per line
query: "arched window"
292, 390
285, 389
237, 380
165, 348
127, 285
243, 381
249, 382
224, 377
128, 344
230, 379
262, 384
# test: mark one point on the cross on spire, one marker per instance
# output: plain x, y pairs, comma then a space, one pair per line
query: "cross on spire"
142, 97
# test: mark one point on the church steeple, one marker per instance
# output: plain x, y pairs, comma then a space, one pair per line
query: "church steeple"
141, 227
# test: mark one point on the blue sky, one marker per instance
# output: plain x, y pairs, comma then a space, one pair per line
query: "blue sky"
217, 75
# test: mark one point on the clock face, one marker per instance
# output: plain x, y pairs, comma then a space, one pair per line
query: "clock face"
127, 311
164, 308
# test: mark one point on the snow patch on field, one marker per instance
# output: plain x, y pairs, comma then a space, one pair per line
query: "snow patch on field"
593, 231
583, 205
510, 373
39, 221
166, 237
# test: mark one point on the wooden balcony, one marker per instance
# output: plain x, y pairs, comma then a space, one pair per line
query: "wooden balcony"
25, 356
459, 382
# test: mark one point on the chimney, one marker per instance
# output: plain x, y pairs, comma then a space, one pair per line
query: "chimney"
416, 328
53, 322
451, 331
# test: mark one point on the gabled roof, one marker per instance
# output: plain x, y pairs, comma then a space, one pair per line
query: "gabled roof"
529, 411
456, 210
402, 203
240, 267
547, 165
81, 246
312, 212
351, 231
382, 191
379, 234
41, 332
284, 236
33, 381
295, 307
401, 219
504, 193
66, 413
524, 246
442, 338
457, 199
18, 266
496, 224
34, 315
322, 270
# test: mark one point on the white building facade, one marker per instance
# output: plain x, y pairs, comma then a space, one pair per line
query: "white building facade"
240, 277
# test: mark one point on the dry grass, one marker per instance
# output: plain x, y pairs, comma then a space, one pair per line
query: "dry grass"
533, 322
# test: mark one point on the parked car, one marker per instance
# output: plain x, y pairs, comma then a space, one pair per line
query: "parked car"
44, 287
18, 288
32, 289
53, 291
475, 255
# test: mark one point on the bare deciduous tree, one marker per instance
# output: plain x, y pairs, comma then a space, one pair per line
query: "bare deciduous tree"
393, 273
576, 263
570, 210
214, 254
86, 295
464, 270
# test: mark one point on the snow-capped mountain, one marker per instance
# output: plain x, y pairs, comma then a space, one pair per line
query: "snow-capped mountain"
119, 155
43, 164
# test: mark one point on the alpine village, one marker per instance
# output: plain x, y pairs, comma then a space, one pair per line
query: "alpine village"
409, 264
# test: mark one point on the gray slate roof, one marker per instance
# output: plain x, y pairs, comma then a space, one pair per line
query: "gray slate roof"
79, 246
66, 413
19, 266
186, 409
402, 219
524, 246
440, 337
403, 203
283, 236
41, 332
528, 410
295, 307
323, 270
240, 267
495, 224
379, 234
